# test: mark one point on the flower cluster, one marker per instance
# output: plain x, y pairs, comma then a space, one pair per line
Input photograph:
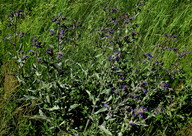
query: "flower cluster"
15, 14
171, 37
35, 42
140, 112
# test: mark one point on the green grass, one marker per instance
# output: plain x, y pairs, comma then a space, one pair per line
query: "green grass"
88, 79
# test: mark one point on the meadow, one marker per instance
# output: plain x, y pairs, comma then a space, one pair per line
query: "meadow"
87, 68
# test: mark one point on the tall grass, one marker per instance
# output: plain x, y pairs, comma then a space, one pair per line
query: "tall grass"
113, 68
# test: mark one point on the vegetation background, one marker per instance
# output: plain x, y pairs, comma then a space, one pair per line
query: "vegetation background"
157, 17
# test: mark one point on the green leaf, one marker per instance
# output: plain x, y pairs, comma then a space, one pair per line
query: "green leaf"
26, 98
40, 117
91, 97
56, 107
109, 99
101, 110
105, 130
99, 55
73, 107
106, 91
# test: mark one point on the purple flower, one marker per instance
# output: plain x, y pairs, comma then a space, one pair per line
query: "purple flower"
111, 58
158, 111
144, 54
11, 15
115, 9
150, 54
59, 14
117, 57
9, 25
54, 20
126, 15
184, 53
106, 8
175, 36
124, 87
49, 52
108, 36
140, 112
105, 105
24, 57
144, 90
34, 39
31, 52
126, 22
144, 83
38, 45
39, 59
22, 34
134, 97
164, 85
175, 39
175, 49
60, 55
126, 38
134, 115
130, 18
122, 78
115, 91
132, 124
134, 33
114, 67
52, 31
166, 34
